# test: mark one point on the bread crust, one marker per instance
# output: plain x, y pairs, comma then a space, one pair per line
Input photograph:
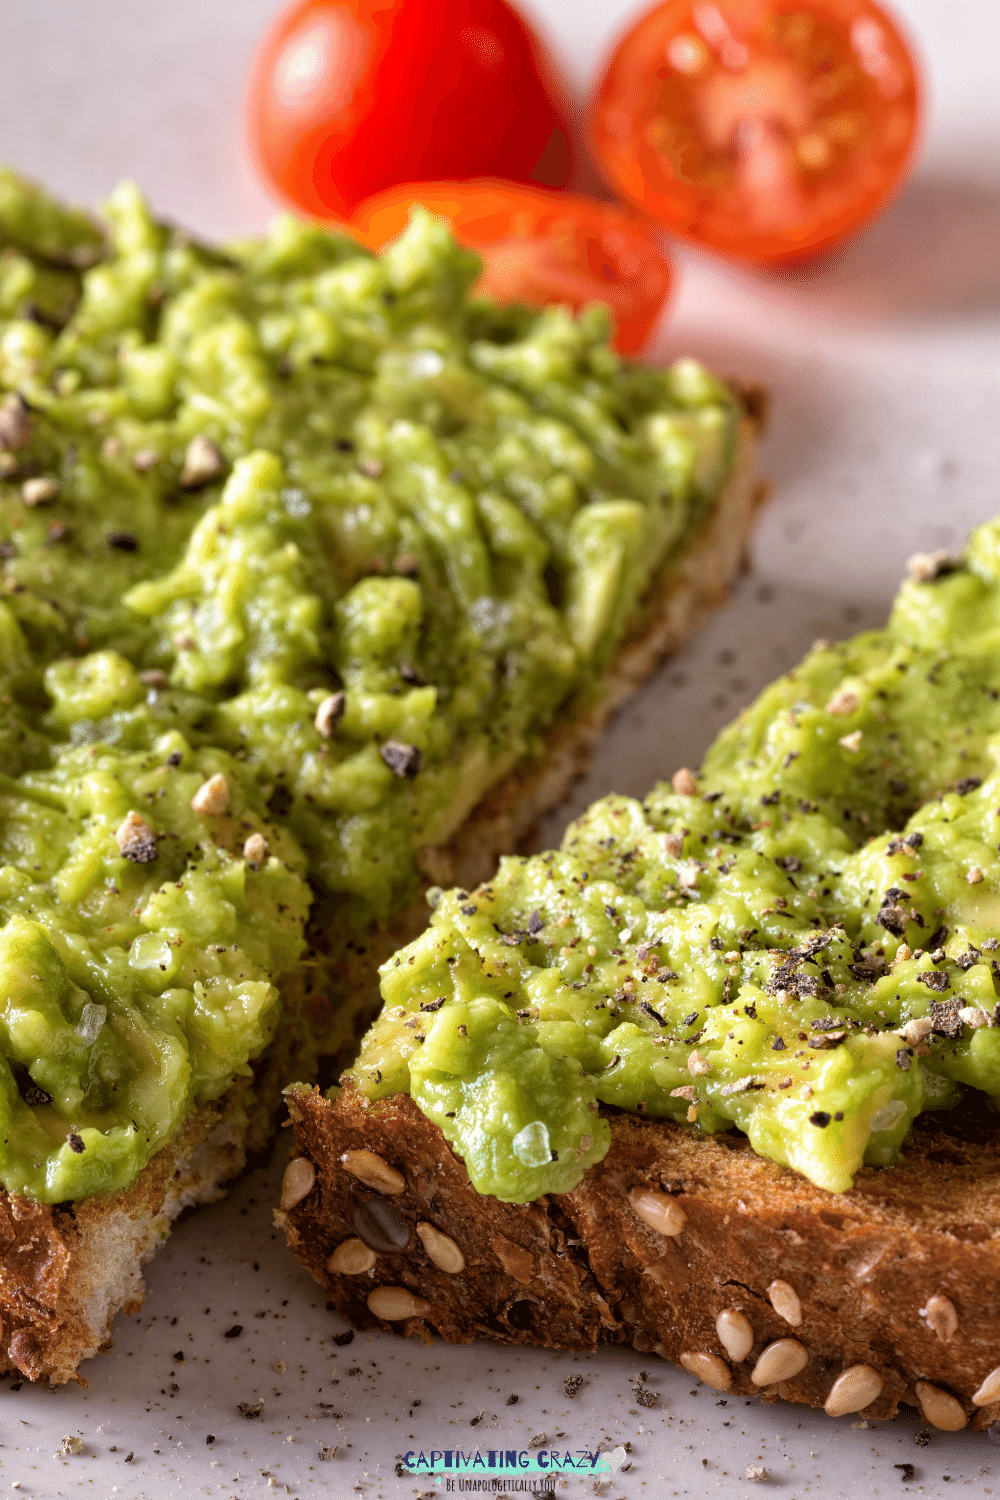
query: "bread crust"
66, 1270
571, 1270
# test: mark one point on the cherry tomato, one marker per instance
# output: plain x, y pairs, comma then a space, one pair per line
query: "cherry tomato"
347, 97
767, 129
540, 247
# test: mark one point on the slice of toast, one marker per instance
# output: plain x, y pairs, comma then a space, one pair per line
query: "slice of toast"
853, 1290
66, 1270
690, 1246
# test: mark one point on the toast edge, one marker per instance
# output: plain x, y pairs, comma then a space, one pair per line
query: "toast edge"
574, 1269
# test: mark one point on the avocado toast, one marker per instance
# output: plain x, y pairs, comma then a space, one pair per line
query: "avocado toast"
319, 576
717, 1078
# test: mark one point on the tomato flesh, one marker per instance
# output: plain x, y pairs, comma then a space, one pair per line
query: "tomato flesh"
540, 247
347, 97
767, 129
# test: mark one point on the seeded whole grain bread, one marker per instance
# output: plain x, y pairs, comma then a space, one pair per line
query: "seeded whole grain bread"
66, 1270
690, 1246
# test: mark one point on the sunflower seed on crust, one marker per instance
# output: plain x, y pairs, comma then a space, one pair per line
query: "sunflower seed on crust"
941, 1316
394, 1303
940, 1408
781, 1360
989, 1391
374, 1171
298, 1181
352, 1258
855, 1389
709, 1369
735, 1333
441, 1249
659, 1211
785, 1301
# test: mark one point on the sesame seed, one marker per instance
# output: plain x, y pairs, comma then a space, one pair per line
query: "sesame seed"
843, 702
924, 567
914, 1032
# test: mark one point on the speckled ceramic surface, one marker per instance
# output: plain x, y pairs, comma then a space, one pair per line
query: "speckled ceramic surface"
884, 364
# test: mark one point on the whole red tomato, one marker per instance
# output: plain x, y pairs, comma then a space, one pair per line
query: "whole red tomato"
767, 129
348, 97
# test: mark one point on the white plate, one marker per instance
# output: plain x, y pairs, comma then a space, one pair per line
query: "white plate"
885, 369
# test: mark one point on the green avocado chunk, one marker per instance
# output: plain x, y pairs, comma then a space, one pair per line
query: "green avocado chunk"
139, 954
803, 944
323, 525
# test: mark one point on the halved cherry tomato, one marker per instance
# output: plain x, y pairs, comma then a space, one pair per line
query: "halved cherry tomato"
347, 97
540, 247
767, 129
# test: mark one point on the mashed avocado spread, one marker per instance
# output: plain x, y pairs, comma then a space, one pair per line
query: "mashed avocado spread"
302, 549
801, 943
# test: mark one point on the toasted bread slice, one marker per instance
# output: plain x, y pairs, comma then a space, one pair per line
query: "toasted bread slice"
689, 1246
65, 1271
